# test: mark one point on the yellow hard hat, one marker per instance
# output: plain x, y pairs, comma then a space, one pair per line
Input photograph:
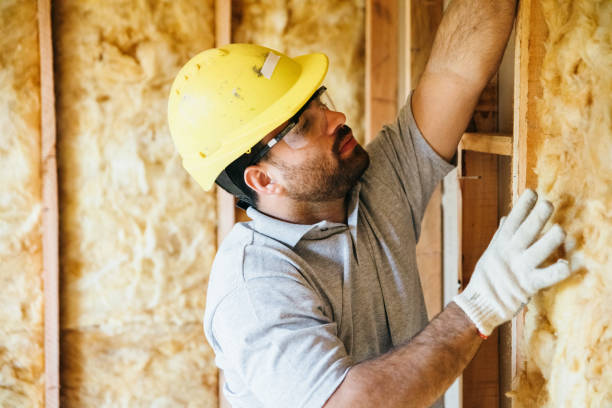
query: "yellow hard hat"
225, 100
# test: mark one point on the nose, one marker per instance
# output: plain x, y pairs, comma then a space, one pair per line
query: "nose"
335, 119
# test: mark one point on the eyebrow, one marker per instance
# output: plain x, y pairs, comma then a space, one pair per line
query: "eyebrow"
304, 122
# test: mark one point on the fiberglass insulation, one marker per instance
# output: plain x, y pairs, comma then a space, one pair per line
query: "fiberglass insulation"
21, 299
298, 27
568, 329
137, 233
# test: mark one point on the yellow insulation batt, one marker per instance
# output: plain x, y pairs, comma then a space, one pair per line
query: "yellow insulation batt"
21, 300
137, 234
295, 27
568, 328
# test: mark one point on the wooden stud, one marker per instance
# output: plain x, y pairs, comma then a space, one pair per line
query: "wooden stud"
50, 216
478, 215
226, 203
423, 20
531, 33
478, 184
226, 214
381, 78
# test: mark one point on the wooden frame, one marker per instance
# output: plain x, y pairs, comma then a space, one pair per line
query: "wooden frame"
226, 203
50, 215
478, 211
381, 65
422, 24
226, 215
531, 32
487, 143
384, 94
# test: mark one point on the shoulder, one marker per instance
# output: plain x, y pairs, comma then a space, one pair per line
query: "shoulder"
243, 259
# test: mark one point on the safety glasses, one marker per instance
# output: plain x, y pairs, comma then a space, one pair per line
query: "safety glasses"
295, 133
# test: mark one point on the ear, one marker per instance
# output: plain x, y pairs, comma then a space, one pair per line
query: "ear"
259, 180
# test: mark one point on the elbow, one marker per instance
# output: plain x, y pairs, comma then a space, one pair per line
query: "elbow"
346, 395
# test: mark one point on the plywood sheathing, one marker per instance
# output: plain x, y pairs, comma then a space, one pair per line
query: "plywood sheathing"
21, 295
137, 233
568, 328
298, 27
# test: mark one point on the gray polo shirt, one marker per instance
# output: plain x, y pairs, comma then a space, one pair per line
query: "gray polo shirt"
290, 308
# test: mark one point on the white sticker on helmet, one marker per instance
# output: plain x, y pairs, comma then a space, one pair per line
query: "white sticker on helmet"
269, 65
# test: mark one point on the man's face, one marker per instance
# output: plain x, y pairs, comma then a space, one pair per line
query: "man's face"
319, 160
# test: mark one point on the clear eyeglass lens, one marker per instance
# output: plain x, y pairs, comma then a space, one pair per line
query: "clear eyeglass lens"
297, 137
326, 100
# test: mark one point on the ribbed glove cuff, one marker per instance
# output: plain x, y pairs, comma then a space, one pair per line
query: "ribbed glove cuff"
478, 310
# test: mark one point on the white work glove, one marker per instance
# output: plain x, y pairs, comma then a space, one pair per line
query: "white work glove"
507, 274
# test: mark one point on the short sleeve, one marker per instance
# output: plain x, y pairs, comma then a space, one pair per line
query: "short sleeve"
275, 335
402, 159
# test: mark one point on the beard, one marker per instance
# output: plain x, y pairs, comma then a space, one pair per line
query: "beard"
327, 178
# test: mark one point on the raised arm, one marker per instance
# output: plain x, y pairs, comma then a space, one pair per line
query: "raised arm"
466, 52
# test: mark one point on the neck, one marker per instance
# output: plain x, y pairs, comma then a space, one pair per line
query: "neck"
302, 212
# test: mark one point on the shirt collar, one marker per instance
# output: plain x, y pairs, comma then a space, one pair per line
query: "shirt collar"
290, 234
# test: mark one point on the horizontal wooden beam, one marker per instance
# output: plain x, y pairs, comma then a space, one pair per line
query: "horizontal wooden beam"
487, 143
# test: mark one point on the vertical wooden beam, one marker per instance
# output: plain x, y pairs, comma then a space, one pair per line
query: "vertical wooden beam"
226, 214
531, 33
424, 19
50, 216
381, 78
226, 208
478, 184
519, 165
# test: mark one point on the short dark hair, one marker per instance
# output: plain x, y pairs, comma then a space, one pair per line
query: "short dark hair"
235, 172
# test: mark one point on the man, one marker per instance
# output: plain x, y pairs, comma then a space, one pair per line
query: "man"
317, 300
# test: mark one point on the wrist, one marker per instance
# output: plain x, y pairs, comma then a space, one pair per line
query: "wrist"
479, 310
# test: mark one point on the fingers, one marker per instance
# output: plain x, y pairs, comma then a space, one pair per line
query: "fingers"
501, 224
538, 252
520, 211
531, 227
545, 277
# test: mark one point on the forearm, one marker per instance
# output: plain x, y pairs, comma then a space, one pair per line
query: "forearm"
414, 374
471, 39
466, 52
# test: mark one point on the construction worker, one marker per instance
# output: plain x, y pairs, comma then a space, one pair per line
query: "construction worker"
317, 300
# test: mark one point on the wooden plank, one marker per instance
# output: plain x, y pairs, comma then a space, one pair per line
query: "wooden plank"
226, 214
381, 76
531, 32
421, 23
487, 143
226, 208
50, 215
478, 184
223, 20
